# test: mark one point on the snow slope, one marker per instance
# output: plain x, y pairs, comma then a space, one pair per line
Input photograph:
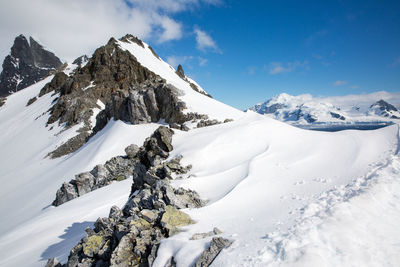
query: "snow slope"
260, 174
305, 109
29, 179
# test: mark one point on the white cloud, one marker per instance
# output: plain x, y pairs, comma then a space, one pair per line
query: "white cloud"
278, 67
202, 61
174, 61
251, 70
204, 41
75, 27
354, 86
172, 30
186, 61
339, 83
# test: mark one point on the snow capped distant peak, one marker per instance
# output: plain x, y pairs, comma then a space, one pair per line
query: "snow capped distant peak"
308, 109
385, 109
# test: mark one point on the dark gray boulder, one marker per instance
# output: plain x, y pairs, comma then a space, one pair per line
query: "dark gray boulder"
132, 151
28, 63
216, 246
53, 262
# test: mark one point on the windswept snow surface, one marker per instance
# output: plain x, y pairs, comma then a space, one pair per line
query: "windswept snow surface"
264, 178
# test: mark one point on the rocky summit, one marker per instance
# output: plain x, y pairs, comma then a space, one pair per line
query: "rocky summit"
112, 76
27, 63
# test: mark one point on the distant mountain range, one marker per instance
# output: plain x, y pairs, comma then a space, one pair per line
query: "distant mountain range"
306, 109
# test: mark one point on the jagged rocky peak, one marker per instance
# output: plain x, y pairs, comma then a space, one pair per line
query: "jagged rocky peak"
130, 38
383, 105
27, 63
180, 71
385, 109
81, 61
129, 91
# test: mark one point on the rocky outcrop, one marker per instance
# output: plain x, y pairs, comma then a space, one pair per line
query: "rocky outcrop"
53, 263
385, 109
180, 72
216, 246
131, 236
81, 61
27, 64
116, 169
194, 87
135, 163
55, 84
31, 101
198, 236
205, 123
337, 116
2, 101
130, 92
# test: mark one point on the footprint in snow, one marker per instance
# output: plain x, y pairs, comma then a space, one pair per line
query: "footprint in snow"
299, 182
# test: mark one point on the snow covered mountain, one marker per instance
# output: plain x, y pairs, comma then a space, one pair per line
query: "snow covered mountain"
27, 64
121, 160
306, 109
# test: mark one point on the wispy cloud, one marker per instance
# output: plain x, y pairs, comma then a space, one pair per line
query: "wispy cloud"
315, 36
339, 83
202, 61
205, 41
251, 70
174, 61
278, 67
317, 56
396, 62
171, 30
354, 86
189, 61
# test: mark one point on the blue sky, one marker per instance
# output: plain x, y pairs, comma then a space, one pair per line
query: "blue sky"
241, 52
264, 48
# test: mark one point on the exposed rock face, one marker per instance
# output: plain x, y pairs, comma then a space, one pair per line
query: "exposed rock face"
55, 84
385, 109
198, 236
53, 262
81, 61
180, 72
135, 164
27, 64
130, 92
131, 237
31, 101
116, 169
205, 123
207, 257
337, 116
